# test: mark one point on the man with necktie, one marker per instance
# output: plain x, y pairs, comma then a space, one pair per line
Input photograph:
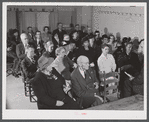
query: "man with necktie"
85, 84
29, 64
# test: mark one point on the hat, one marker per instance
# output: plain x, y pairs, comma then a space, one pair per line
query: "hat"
44, 62
91, 36
104, 36
84, 39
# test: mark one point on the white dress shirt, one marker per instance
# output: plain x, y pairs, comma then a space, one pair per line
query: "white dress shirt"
82, 72
106, 63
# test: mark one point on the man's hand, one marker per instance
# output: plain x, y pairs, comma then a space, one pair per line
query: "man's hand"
66, 88
98, 97
59, 103
96, 85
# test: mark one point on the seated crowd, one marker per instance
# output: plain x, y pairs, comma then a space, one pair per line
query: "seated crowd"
65, 68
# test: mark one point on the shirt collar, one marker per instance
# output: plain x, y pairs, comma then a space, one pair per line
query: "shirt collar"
102, 55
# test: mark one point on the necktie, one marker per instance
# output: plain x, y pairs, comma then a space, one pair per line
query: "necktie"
32, 59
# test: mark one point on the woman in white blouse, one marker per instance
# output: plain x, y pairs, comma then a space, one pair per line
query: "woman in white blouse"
106, 62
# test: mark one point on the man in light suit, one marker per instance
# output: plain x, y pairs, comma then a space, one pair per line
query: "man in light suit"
85, 84
20, 48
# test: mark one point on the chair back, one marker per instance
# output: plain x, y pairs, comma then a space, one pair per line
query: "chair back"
110, 82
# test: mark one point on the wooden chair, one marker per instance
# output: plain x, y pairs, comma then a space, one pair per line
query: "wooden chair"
110, 83
10, 63
28, 88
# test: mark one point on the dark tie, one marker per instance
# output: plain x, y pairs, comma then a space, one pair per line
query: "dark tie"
33, 60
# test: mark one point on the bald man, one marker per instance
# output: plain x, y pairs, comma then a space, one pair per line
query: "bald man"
85, 84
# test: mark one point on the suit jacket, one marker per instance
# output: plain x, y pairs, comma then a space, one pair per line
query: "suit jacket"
88, 53
60, 36
29, 68
40, 50
84, 94
20, 51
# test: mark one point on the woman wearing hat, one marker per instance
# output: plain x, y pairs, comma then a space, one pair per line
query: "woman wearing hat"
92, 44
48, 87
86, 50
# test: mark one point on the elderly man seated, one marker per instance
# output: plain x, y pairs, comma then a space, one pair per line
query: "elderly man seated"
50, 88
85, 84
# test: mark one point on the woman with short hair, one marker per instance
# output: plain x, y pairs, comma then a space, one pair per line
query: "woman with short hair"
106, 61
62, 63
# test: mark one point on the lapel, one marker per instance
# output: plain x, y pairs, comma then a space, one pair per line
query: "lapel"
22, 48
80, 77
28, 61
91, 73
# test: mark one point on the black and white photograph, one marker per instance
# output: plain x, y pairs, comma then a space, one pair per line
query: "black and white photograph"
74, 60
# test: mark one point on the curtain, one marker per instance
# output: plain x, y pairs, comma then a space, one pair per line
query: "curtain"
22, 27
65, 17
30, 20
42, 20
11, 20
74, 16
53, 20
27, 19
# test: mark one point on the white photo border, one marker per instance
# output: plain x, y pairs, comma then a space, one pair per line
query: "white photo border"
71, 114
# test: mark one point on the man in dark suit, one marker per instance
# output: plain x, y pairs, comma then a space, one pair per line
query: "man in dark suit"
38, 44
29, 64
85, 84
30, 34
58, 34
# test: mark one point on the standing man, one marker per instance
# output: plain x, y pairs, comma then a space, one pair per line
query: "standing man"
38, 43
58, 34
30, 34
85, 84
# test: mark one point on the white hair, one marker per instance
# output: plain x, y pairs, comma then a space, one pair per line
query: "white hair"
22, 35
80, 59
